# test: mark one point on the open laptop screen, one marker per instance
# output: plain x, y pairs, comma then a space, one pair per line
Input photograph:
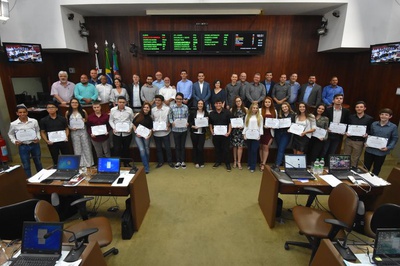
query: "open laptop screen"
387, 243
295, 161
68, 162
34, 242
108, 165
339, 162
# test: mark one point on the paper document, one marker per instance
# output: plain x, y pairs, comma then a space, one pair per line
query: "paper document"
374, 180
127, 179
41, 175
331, 180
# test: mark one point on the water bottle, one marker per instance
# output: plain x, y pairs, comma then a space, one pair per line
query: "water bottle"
322, 165
316, 167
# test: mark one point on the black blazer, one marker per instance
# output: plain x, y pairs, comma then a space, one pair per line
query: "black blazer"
270, 88
345, 115
315, 97
192, 116
130, 93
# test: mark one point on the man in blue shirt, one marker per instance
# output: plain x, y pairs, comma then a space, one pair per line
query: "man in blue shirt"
185, 87
85, 92
383, 129
159, 82
331, 90
294, 89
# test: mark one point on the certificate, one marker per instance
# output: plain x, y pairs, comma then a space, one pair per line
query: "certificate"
220, 130
319, 133
143, 131
285, 122
180, 123
201, 122
159, 126
356, 130
122, 127
252, 134
376, 142
271, 122
76, 123
57, 136
25, 134
99, 130
296, 129
338, 128
237, 122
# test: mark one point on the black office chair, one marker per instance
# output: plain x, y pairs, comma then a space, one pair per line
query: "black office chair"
385, 216
12, 218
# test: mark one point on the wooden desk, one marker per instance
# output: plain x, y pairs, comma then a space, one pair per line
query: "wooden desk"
13, 187
137, 190
270, 188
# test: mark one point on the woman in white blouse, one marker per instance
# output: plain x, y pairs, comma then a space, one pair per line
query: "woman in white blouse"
253, 129
300, 143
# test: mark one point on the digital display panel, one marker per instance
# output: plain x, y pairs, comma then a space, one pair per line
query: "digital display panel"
23, 52
385, 53
208, 43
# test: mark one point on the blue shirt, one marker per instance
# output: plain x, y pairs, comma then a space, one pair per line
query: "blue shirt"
328, 92
388, 131
294, 91
89, 91
185, 87
307, 93
267, 86
159, 85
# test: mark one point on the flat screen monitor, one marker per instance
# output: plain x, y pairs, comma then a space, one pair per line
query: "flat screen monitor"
23, 52
385, 53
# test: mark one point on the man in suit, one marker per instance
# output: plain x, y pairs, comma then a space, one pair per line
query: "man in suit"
311, 92
268, 83
134, 94
336, 114
201, 90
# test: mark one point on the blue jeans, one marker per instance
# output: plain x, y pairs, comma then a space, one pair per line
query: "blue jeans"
144, 149
282, 138
167, 145
25, 152
252, 152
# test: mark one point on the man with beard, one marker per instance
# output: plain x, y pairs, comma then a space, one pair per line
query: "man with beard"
149, 91
85, 92
311, 92
255, 92
62, 90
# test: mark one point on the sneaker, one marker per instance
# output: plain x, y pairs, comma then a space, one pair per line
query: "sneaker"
228, 167
216, 165
202, 166
171, 165
251, 171
197, 165
177, 165
183, 165
159, 165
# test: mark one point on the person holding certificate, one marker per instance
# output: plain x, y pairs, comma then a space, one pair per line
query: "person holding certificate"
253, 129
237, 141
121, 117
142, 126
54, 131
178, 118
98, 128
300, 142
282, 136
267, 111
381, 129
76, 118
198, 123
220, 127
25, 133
317, 142
357, 131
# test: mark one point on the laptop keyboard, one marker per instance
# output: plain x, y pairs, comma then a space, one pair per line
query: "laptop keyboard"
34, 261
103, 178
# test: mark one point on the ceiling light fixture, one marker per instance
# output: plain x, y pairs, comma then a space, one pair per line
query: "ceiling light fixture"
4, 10
322, 30
182, 12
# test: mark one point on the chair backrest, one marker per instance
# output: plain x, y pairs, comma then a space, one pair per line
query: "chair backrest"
13, 216
343, 203
386, 216
45, 212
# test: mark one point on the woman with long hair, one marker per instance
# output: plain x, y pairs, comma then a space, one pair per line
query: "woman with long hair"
117, 91
143, 142
76, 118
316, 145
237, 141
198, 134
267, 111
300, 143
282, 136
253, 122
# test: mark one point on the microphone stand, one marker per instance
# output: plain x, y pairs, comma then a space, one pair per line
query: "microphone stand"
79, 247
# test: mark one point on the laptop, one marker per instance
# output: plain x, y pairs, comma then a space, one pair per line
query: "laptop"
36, 247
67, 167
340, 166
387, 246
107, 170
296, 166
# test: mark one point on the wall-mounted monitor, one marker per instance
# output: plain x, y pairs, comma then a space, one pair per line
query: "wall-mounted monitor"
23, 52
203, 43
385, 53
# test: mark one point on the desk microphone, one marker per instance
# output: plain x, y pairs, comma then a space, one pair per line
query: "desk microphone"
78, 248
372, 174
134, 169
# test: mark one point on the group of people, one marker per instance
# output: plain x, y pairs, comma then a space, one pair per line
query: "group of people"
243, 114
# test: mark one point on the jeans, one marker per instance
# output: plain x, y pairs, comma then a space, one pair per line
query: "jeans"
376, 160
252, 148
25, 151
282, 138
167, 145
180, 141
332, 144
198, 141
144, 149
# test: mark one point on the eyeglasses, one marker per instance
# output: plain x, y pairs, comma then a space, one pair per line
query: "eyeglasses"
51, 107
178, 99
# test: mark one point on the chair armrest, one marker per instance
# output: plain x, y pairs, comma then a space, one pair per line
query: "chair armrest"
313, 192
82, 235
85, 199
81, 205
336, 227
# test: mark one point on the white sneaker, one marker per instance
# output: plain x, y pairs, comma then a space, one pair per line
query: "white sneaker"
177, 165
183, 165
197, 165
